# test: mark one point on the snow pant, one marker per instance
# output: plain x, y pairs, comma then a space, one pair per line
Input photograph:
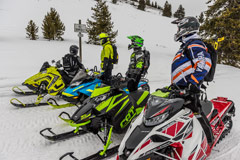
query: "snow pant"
107, 76
196, 107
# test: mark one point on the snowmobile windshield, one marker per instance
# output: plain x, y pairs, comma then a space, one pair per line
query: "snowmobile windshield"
99, 90
158, 106
79, 77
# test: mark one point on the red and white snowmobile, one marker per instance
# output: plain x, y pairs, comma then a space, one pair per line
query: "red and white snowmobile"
168, 130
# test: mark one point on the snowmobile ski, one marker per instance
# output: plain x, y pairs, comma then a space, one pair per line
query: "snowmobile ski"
27, 105
62, 136
110, 152
52, 102
19, 91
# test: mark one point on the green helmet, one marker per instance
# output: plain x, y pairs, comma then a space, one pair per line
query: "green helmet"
137, 42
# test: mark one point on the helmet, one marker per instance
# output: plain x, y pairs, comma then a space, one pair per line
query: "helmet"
103, 38
137, 42
186, 26
73, 49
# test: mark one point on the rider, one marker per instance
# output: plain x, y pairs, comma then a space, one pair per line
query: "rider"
190, 65
137, 65
106, 58
70, 63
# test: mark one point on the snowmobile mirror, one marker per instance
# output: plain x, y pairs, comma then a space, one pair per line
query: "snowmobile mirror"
53, 61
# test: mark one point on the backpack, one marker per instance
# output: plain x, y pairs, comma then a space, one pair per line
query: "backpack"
146, 60
115, 54
213, 56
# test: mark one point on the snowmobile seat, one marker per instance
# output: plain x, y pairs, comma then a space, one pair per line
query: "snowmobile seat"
207, 108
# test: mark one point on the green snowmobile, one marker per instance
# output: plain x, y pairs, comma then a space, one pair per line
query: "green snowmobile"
109, 109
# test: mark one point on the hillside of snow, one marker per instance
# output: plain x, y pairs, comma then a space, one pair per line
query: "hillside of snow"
20, 58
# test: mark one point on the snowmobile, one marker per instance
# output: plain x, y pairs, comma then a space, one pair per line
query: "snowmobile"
166, 129
48, 81
109, 109
82, 87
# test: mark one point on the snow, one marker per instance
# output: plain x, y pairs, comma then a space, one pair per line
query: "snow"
21, 58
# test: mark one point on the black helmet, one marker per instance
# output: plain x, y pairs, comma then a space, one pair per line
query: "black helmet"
73, 49
186, 26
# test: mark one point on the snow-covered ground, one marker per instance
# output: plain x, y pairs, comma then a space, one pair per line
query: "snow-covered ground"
20, 58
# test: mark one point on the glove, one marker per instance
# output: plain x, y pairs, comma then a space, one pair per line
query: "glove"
193, 88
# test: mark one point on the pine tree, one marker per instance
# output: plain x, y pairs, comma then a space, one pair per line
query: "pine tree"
155, 5
114, 1
52, 26
152, 4
142, 5
32, 30
101, 23
180, 13
201, 18
167, 10
148, 3
222, 20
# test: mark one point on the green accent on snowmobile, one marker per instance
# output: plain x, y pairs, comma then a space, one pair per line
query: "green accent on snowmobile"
61, 105
51, 77
39, 99
18, 90
124, 104
139, 110
67, 94
113, 105
159, 93
85, 116
144, 95
104, 104
11, 101
73, 124
100, 91
128, 118
77, 88
108, 142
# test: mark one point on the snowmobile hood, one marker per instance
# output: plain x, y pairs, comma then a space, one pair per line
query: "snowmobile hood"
100, 90
158, 105
83, 113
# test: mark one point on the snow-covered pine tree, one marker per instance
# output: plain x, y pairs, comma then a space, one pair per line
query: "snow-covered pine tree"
155, 5
142, 5
148, 3
167, 10
222, 20
114, 1
101, 23
32, 30
201, 18
180, 13
52, 26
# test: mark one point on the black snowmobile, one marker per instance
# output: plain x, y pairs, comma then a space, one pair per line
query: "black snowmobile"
109, 109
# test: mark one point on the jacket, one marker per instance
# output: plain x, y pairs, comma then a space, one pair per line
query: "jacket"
107, 56
192, 68
136, 63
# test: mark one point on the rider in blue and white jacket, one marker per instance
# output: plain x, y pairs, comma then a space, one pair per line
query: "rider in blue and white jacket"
190, 65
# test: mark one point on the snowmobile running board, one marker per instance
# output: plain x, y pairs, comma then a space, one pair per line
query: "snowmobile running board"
52, 102
21, 92
62, 136
95, 156
23, 105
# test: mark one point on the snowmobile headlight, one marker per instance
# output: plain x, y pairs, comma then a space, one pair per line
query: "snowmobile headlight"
155, 120
100, 98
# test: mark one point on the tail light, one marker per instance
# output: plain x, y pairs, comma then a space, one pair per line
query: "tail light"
117, 157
